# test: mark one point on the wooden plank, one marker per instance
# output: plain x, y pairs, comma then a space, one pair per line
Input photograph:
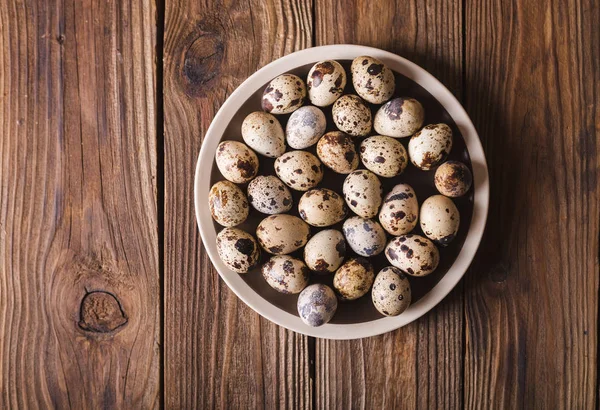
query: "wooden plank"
419, 365
79, 277
219, 353
532, 81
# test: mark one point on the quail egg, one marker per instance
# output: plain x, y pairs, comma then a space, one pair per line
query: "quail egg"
429, 147
262, 132
337, 151
237, 249
352, 115
362, 192
236, 161
453, 179
400, 117
286, 274
267, 194
385, 156
439, 219
284, 94
400, 210
354, 278
372, 80
365, 236
326, 81
391, 291
282, 234
305, 126
325, 251
322, 207
413, 254
317, 304
300, 170
228, 204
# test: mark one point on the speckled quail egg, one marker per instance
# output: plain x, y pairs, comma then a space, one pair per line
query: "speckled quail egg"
228, 204
267, 194
337, 151
300, 170
237, 249
413, 254
282, 234
305, 126
286, 274
365, 236
352, 115
322, 207
354, 278
317, 304
326, 81
284, 94
372, 80
362, 192
400, 117
430, 146
453, 179
400, 210
385, 156
236, 161
439, 219
391, 291
263, 133
325, 251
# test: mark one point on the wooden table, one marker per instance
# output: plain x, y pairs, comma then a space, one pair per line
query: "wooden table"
107, 298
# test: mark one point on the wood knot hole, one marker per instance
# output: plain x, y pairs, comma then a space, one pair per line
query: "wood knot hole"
202, 60
101, 312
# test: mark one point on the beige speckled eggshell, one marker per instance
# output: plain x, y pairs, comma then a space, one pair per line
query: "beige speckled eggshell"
429, 147
322, 207
267, 194
326, 81
286, 274
300, 170
362, 192
263, 133
400, 210
317, 304
439, 219
304, 128
364, 236
352, 115
391, 292
237, 249
337, 151
385, 156
228, 204
236, 161
453, 179
373, 81
413, 254
325, 251
284, 94
282, 234
354, 278
399, 118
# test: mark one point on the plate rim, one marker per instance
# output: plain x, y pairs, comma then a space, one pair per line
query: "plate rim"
480, 181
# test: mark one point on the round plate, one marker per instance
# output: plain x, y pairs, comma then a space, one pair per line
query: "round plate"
401, 66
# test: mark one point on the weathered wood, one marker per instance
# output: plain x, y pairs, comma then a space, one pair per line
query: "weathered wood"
218, 353
79, 276
421, 364
532, 86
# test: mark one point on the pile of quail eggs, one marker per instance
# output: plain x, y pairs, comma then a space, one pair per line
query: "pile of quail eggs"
371, 221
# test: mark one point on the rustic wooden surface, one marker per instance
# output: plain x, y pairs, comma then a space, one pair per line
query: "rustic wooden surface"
107, 298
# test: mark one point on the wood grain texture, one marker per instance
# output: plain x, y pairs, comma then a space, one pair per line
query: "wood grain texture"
533, 81
79, 281
219, 353
419, 365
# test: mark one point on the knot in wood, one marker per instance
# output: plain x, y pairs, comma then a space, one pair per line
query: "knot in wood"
202, 61
101, 312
